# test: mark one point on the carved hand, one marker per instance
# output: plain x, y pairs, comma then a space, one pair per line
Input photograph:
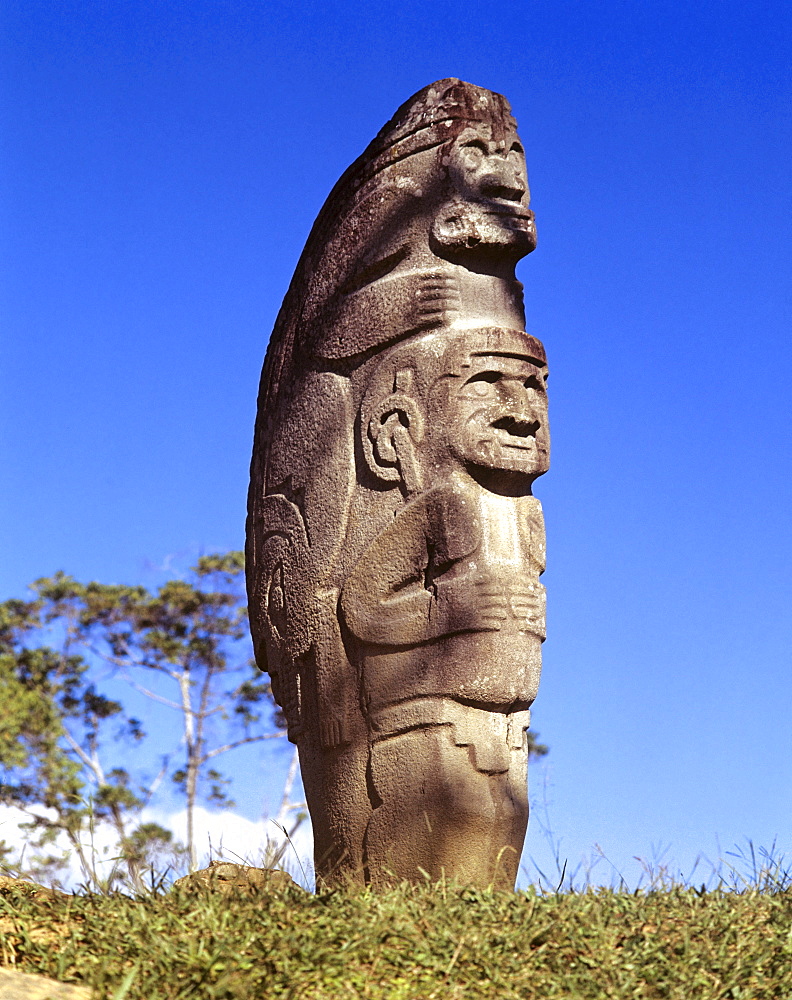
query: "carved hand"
437, 298
468, 603
528, 608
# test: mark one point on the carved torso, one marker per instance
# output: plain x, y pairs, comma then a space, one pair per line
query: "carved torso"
447, 600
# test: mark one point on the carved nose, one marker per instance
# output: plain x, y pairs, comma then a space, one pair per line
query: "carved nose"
517, 426
502, 181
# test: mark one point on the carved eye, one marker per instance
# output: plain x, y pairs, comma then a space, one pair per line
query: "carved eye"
516, 148
480, 384
536, 382
476, 144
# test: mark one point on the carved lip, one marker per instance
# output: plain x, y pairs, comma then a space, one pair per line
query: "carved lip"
512, 211
527, 446
515, 221
507, 440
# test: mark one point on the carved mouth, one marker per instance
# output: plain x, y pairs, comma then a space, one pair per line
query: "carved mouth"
513, 432
512, 220
503, 193
511, 212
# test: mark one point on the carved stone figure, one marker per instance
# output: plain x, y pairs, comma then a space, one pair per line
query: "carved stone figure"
394, 547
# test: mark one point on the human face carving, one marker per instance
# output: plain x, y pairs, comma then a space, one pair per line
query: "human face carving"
496, 415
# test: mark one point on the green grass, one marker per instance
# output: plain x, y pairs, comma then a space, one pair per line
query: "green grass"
409, 944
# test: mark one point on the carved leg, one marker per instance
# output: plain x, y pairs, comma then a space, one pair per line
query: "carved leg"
437, 812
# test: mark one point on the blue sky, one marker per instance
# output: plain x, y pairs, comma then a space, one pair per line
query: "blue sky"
162, 163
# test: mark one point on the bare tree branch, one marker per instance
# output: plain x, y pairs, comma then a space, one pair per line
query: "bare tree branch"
151, 694
232, 746
91, 763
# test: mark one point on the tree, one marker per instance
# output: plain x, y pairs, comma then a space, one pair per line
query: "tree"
192, 635
185, 646
51, 730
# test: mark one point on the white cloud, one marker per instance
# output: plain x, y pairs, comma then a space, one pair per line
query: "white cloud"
224, 835
234, 838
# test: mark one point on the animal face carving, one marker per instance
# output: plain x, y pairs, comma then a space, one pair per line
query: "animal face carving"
488, 169
488, 208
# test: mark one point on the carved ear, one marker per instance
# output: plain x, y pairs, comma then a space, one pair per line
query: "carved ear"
395, 427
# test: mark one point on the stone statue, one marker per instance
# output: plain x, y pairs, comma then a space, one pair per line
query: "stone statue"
394, 546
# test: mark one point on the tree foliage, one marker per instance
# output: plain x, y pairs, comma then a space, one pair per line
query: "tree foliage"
184, 646
535, 748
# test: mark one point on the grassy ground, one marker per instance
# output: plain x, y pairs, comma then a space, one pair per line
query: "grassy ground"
410, 943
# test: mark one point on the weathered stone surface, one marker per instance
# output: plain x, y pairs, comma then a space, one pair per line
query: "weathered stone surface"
30, 888
394, 546
230, 878
23, 986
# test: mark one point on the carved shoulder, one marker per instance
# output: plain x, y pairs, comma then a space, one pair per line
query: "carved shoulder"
387, 597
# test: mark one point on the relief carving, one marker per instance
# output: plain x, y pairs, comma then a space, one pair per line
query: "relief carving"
394, 544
